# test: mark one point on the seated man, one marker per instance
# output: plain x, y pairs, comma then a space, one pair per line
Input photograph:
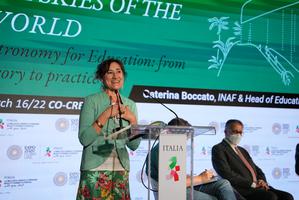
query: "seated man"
235, 164
220, 189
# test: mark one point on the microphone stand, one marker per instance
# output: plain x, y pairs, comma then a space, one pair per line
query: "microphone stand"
152, 97
119, 102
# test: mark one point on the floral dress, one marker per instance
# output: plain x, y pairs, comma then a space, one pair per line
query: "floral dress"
104, 185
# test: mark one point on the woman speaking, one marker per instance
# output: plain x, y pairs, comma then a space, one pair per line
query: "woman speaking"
104, 118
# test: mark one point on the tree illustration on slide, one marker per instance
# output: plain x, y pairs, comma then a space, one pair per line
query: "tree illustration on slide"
276, 60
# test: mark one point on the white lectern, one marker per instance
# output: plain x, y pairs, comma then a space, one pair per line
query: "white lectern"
172, 156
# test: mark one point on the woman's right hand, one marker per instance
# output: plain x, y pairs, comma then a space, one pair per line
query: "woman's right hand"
206, 175
202, 178
114, 111
111, 111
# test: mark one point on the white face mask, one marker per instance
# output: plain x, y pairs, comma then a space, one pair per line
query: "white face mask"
234, 138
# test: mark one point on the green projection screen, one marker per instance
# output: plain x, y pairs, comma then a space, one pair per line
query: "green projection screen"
208, 60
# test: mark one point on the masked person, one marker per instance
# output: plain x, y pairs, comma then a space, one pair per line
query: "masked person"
234, 163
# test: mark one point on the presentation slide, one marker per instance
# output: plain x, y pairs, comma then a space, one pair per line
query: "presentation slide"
208, 61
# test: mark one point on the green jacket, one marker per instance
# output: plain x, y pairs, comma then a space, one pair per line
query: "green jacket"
95, 148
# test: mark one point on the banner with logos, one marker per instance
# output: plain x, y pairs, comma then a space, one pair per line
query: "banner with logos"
208, 61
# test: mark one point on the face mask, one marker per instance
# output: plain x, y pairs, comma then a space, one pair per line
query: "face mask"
234, 139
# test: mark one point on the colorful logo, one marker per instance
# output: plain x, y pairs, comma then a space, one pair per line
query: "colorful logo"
1, 124
297, 128
48, 152
174, 168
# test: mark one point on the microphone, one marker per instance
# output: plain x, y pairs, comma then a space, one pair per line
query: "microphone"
119, 101
145, 92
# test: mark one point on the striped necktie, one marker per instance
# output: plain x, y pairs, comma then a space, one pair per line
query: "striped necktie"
249, 167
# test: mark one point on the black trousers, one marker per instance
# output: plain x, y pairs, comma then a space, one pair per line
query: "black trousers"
271, 194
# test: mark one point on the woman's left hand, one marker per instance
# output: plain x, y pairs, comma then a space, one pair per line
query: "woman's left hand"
128, 115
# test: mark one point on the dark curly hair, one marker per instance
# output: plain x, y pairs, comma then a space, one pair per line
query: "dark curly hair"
104, 66
178, 122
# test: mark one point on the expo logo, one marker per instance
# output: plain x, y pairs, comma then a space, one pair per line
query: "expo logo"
62, 124
14, 152
60, 179
30, 149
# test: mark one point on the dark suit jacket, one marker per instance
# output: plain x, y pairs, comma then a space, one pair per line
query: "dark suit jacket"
229, 166
297, 159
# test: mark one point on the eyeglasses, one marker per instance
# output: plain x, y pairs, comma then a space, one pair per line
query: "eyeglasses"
236, 132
